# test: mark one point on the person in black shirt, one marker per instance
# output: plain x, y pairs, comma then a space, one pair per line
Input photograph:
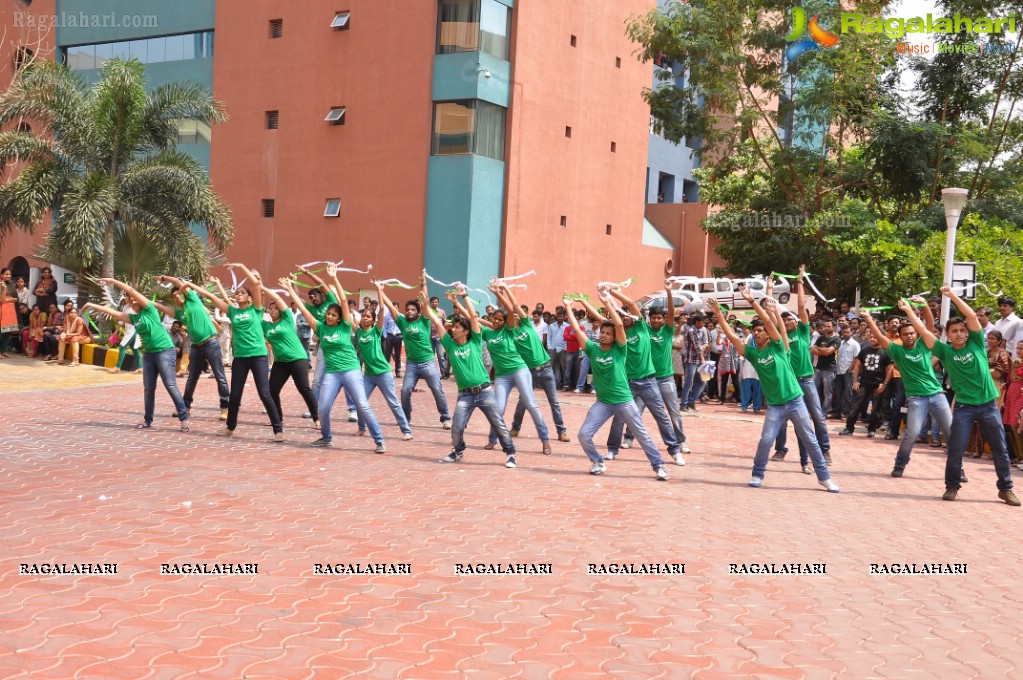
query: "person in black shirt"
826, 351
870, 378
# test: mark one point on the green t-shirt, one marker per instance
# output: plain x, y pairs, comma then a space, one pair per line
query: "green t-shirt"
660, 350
193, 315
528, 343
799, 351
968, 371
153, 335
501, 345
369, 348
247, 332
283, 337
466, 361
638, 363
416, 336
610, 380
774, 368
320, 311
338, 350
917, 372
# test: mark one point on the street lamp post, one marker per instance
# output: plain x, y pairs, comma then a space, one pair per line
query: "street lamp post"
953, 200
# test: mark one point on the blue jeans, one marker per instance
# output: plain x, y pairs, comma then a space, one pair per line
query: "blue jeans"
752, 394
918, 408
351, 381
599, 414
485, 401
523, 382
442, 357
584, 370
647, 393
321, 369
820, 426
990, 421
824, 382
428, 372
385, 381
692, 386
774, 422
162, 364
208, 352
544, 377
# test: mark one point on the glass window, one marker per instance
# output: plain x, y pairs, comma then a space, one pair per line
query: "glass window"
176, 45
120, 50
464, 127
157, 50
103, 52
495, 22
459, 29
333, 207
138, 50
192, 131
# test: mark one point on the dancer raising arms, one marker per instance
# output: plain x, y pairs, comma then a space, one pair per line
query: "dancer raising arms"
190, 311
509, 368
465, 353
376, 367
290, 358
248, 345
158, 357
965, 358
419, 359
614, 399
769, 357
341, 365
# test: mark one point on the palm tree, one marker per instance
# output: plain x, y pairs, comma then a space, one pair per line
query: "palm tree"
105, 162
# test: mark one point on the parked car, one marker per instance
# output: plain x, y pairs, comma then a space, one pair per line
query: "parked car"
685, 301
720, 289
758, 285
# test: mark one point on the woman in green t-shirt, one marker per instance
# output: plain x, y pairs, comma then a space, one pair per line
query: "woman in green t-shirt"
290, 357
341, 362
376, 367
465, 352
248, 344
159, 355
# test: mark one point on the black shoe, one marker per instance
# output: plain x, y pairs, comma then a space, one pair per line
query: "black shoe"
845, 432
778, 455
889, 437
950, 493
870, 434
897, 471
962, 477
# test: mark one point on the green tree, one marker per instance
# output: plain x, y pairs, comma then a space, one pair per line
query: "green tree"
104, 160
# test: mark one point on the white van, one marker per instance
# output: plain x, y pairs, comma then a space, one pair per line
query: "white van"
758, 285
706, 288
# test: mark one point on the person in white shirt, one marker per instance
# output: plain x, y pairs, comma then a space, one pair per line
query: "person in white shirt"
848, 350
984, 316
1010, 325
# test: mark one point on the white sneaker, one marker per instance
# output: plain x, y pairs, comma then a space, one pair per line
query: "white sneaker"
510, 463
610, 455
446, 425
679, 460
597, 469
626, 443
756, 482
380, 448
406, 437
685, 448
662, 474
353, 417
830, 485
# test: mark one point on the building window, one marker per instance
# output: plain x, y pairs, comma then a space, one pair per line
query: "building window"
614, 147
607, 229
571, 40
192, 131
340, 22
336, 116
468, 126
268, 207
272, 120
23, 58
276, 28
564, 220
183, 47
618, 62
333, 207
495, 26
568, 131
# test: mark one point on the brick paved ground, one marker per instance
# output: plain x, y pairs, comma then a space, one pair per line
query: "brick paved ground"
78, 484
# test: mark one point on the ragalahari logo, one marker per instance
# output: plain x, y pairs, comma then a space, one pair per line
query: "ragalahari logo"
818, 36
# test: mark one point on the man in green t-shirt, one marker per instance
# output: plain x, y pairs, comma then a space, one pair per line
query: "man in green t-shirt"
420, 361
464, 346
769, 356
611, 382
189, 310
923, 391
964, 356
